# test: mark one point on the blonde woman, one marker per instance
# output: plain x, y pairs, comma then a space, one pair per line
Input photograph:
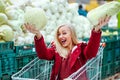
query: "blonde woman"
68, 54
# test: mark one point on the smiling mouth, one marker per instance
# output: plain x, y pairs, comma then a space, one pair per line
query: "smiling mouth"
63, 42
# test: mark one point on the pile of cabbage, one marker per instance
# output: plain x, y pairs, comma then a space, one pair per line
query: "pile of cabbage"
51, 13
48, 15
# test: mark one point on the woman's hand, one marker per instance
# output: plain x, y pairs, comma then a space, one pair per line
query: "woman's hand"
31, 28
102, 22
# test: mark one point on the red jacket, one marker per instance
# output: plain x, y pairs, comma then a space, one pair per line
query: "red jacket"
80, 55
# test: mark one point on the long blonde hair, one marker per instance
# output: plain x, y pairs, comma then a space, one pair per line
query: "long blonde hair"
63, 52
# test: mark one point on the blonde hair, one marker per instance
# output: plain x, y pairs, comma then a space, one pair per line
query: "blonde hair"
63, 52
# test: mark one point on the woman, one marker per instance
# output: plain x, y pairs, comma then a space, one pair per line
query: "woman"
68, 54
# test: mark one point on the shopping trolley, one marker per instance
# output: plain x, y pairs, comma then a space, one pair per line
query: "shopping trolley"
91, 70
39, 69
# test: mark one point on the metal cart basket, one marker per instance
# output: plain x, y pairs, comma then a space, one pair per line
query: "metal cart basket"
39, 69
91, 70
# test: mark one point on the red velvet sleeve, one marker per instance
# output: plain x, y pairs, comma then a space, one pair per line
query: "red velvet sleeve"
93, 44
43, 52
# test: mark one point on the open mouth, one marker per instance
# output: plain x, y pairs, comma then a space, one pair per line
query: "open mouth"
63, 42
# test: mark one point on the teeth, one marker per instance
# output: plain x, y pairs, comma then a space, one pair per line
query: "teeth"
63, 41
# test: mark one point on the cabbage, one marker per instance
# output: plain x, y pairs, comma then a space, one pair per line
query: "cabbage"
19, 41
13, 13
3, 18
110, 9
15, 25
35, 16
15, 17
1, 41
2, 6
6, 33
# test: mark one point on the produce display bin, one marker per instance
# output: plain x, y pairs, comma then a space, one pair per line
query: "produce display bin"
111, 42
107, 70
24, 50
108, 56
21, 61
117, 66
13, 58
6, 77
7, 64
0, 69
117, 54
6, 47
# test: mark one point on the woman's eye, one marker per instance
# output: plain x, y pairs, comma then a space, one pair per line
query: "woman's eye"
58, 34
64, 33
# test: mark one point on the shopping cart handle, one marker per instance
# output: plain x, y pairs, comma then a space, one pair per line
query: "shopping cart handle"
103, 44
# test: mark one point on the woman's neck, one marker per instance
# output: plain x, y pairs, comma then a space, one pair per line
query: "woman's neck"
70, 47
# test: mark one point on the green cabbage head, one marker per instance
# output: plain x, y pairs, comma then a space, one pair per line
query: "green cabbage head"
6, 33
3, 18
35, 16
110, 9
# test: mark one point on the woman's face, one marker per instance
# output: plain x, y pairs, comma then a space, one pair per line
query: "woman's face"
64, 36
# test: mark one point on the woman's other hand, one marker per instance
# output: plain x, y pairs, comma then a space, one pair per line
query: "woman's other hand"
102, 22
31, 28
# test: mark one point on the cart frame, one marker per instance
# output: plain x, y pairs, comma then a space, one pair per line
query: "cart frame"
39, 69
